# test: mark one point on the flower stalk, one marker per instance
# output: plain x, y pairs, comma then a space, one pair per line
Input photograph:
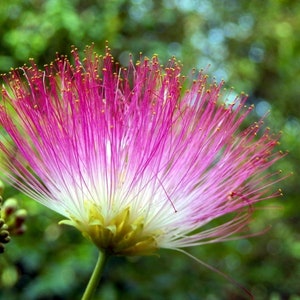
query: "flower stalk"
96, 276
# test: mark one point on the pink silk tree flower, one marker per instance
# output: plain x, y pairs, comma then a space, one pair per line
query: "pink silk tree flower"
136, 158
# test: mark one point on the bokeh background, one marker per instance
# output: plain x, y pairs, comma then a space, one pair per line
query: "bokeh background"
254, 46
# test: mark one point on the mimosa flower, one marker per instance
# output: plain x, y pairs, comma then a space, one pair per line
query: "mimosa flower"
136, 158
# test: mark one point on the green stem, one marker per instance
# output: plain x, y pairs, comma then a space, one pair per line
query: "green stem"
95, 278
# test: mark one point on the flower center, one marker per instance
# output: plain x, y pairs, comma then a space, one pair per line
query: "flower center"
120, 235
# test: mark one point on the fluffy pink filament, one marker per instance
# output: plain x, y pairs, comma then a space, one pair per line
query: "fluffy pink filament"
135, 137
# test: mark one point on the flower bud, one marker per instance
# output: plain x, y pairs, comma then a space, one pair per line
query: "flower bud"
20, 217
9, 206
4, 236
4, 226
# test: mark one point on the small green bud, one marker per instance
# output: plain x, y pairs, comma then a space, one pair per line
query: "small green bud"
20, 217
4, 227
9, 207
6, 239
4, 236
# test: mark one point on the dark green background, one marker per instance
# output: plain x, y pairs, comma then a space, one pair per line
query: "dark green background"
253, 45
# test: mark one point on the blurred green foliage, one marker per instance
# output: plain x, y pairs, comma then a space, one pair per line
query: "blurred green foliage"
253, 45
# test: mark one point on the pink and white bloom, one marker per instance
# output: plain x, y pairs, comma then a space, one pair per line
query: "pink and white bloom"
131, 157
